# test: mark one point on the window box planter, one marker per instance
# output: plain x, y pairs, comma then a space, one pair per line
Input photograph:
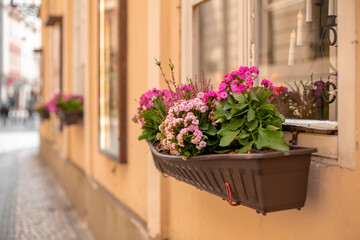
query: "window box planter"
266, 182
44, 115
70, 117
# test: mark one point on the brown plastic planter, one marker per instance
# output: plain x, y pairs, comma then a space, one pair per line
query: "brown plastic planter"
266, 182
44, 115
71, 117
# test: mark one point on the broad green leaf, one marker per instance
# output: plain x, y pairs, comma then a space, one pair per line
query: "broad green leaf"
235, 123
218, 104
253, 96
228, 115
271, 127
228, 106
246, 148
204, 126
243, 141
243, 135
220, 120
268, 106
230, 100
282, 117
276, 122
221, 131
238, 113
228, 137
211, 130
252, 125
239, 97
212, 141
271, 139
250, 115
240, 106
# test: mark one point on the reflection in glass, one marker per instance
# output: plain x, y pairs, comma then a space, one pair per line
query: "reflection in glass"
290, 54
109, 115
216, 36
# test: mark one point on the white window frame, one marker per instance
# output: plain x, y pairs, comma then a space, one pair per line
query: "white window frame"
338, 150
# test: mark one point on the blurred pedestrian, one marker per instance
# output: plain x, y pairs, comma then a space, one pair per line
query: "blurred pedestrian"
31, 104
4, 113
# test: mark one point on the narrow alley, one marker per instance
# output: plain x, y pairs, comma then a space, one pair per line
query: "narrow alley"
32, 205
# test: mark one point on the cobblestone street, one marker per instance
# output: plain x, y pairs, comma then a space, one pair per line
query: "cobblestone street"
32, 205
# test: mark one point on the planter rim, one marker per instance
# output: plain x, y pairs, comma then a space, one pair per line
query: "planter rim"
295, 150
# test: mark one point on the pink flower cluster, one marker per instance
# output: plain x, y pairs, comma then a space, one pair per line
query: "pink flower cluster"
52, 104
147, 102
181, 126
238, 81
146, 98
269, 85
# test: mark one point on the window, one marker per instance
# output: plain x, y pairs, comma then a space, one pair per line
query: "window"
56, 35
268, 36
293, 50
215, 49
112, 79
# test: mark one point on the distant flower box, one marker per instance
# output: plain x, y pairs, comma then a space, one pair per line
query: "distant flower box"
69, 107
266, 182
71, 117
44, 115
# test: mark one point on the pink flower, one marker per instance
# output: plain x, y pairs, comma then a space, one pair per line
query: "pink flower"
224, 95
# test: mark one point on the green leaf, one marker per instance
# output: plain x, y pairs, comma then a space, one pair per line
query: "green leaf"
204, 126
211, 130
239, 97
231, 100
268, 106
281, 117
228, 115
228, 137
252, 125
240, 106
271, 139
220, 120
271, 127
228, 106
253, 96
250, 115
243, 135
223, 151
222, 130
212, 141
246, 148
235, 123
238, 113
243, 141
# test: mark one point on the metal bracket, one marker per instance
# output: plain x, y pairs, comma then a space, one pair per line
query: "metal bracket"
294, 138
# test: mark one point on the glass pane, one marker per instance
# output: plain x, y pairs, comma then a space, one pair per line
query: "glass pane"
294, 52
216, 28
109, 116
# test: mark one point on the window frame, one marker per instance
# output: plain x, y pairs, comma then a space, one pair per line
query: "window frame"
330, 151
122, 85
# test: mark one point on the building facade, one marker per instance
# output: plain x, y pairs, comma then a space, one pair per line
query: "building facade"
105, 50
20, 65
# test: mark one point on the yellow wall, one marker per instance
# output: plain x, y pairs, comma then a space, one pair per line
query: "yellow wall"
331, 210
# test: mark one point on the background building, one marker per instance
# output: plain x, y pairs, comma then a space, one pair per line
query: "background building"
20, 66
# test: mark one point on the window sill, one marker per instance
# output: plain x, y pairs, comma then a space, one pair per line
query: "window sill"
311, 126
